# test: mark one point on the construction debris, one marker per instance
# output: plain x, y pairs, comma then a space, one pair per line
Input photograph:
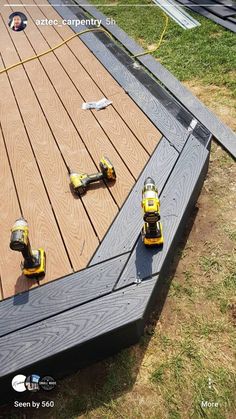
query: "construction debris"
101, 104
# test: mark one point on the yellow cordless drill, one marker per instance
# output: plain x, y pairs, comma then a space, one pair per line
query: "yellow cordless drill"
34, 260
80, 181
152, 229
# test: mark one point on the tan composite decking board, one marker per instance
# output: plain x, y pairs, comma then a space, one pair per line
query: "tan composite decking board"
33, 197
45, 129
70, 213
101, 83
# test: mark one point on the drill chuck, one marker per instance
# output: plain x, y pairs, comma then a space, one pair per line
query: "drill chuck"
17, 241
151, 217
19, 234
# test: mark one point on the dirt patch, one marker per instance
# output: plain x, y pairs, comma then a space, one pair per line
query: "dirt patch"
152, 47
220, 100
233, 313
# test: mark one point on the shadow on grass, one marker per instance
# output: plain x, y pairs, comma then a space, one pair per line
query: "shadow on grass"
101, 384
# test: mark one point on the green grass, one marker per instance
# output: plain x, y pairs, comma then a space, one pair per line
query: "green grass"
230, 230
220, 288
210, 264
188, 362
206, 53
179, 290
157, 375
187, 370
119, 373
223, 380
167, 374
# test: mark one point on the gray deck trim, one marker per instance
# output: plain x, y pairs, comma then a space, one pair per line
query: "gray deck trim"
125, 229
206, 13
225, 136
60, 295
178, 196
114, 60
217, 9
73, 328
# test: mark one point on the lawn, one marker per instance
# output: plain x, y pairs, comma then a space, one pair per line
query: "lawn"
204, 58
206, 53
187, 354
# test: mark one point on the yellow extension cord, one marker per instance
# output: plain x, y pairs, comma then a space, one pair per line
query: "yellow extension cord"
81, 33
160, 40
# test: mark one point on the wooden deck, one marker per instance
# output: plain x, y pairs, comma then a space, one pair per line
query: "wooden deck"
221, 132
95, 311
44, 130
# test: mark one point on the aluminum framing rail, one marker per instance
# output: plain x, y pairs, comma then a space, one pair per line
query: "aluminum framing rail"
177, 14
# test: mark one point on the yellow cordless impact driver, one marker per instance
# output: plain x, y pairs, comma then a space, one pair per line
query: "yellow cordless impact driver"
152, 229
34, 260
80, 181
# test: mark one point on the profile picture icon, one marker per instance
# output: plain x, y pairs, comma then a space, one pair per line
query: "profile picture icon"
32, 382
17, 21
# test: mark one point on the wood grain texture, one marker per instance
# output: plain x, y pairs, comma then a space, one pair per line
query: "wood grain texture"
121, 138
137, 121
11, 280
88, 77
71, 215
177, 199
91, 65
34, 201
103, 79
99, 203
112, 318
157, 113
125, 229
175, 109
89, 89
222, 133
61, 295
72, 328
